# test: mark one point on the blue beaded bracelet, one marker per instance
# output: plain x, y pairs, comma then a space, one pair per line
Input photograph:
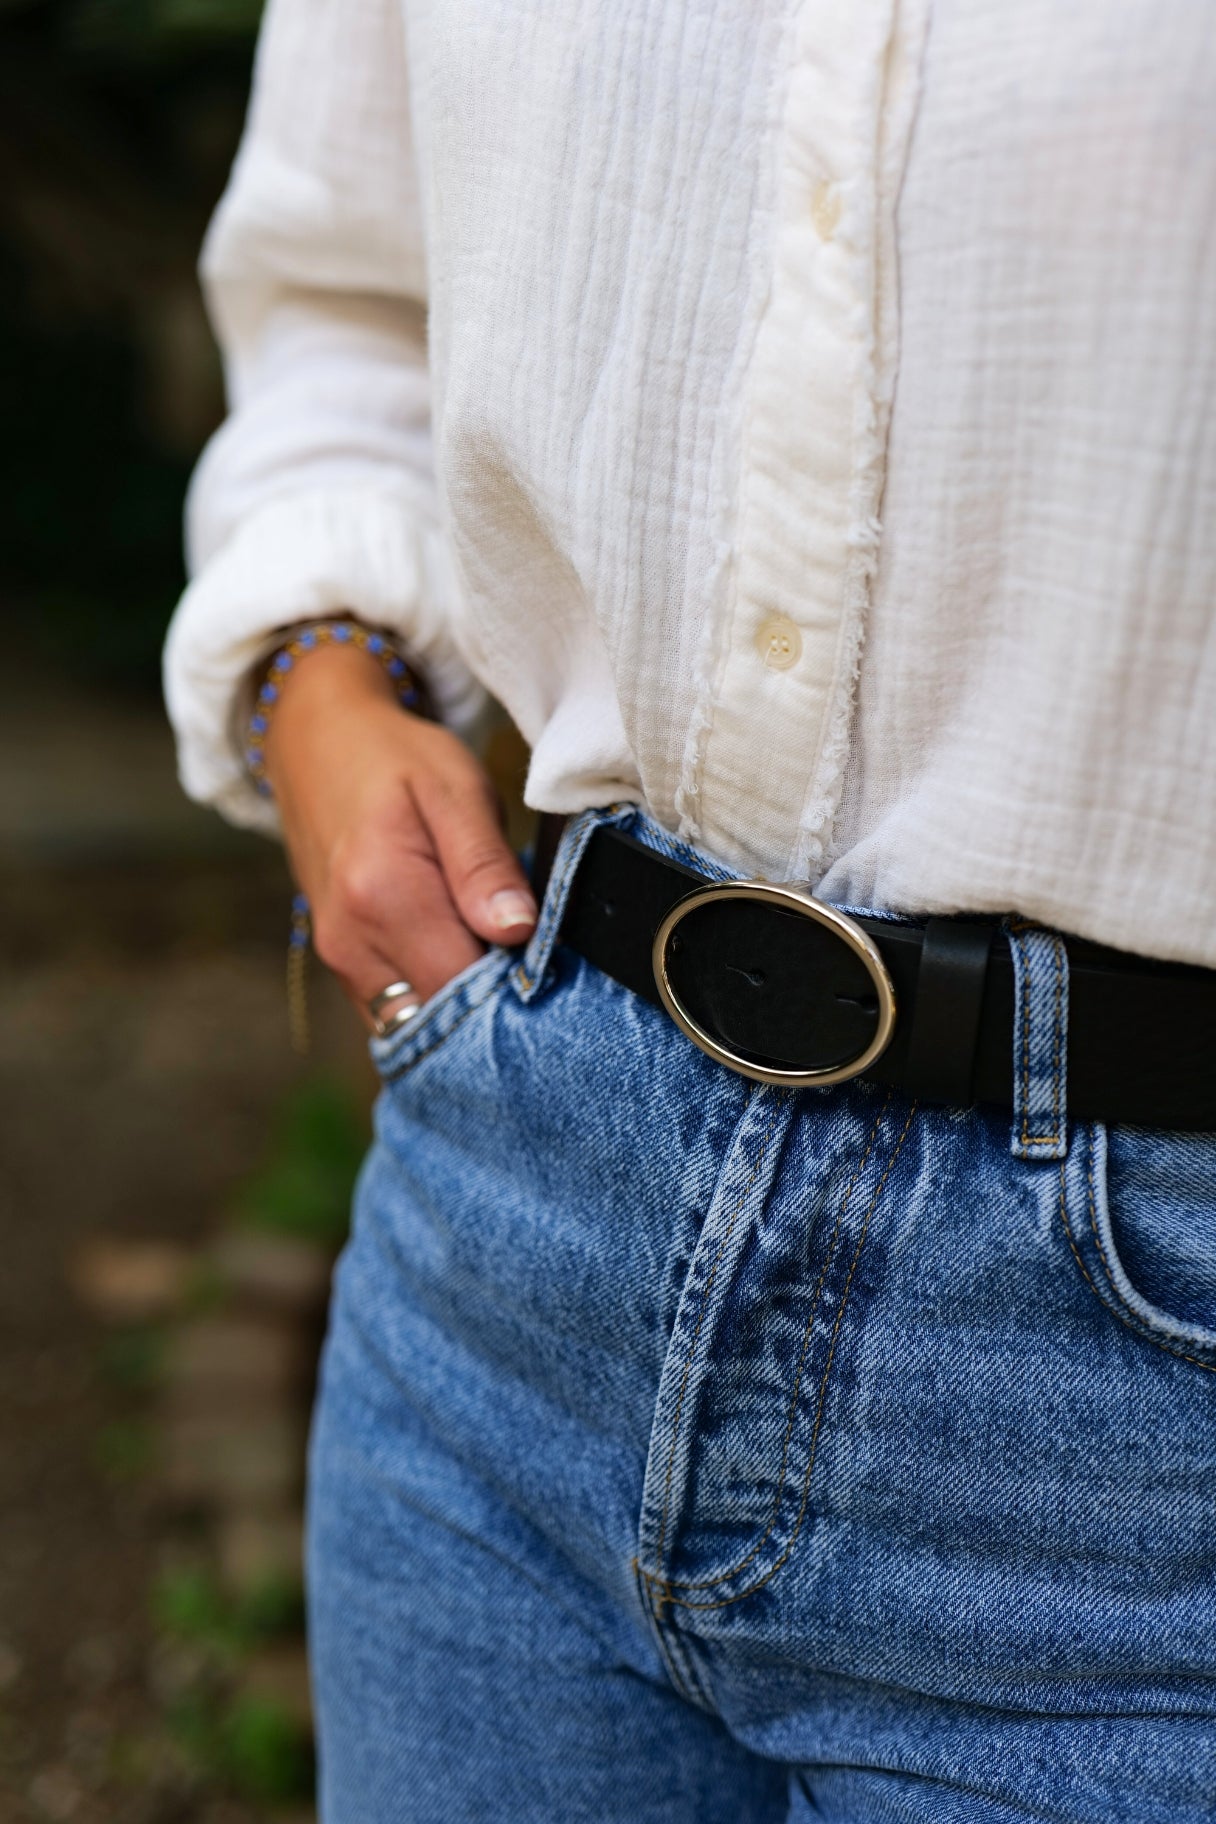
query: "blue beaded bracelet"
409, 695
322, 633
297, 973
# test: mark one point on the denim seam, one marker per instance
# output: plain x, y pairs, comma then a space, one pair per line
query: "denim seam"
392, 1076
556, 899
681, 1654
725, 1576
1127, 1313
1052, 1139
547, 932
675, 1654
1085, 1274
661, 1634
666, 1598
1119, 1308
705, 1297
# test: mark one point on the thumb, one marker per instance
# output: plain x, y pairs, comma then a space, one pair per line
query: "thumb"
486, 882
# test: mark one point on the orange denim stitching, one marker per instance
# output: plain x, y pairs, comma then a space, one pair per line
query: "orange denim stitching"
642, 1579
705, 1296
725, 1602
1068, 1232
725, 1576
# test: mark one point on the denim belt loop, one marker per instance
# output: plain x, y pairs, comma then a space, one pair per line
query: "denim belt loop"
530, 973
1040, 1043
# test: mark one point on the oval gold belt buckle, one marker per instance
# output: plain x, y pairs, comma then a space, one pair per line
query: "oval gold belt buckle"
790, 897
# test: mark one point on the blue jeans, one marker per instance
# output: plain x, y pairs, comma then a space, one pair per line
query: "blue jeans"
690, 1450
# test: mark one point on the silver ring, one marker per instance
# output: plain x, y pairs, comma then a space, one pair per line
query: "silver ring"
395, 992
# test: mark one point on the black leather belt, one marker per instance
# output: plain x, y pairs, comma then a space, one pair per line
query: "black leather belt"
788, 991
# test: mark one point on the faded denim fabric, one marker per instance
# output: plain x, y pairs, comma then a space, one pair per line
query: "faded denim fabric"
696, 1451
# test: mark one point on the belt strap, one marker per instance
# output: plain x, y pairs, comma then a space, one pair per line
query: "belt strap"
1142, 1033
950, 984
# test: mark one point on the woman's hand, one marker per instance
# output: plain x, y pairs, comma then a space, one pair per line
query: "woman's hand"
393, 829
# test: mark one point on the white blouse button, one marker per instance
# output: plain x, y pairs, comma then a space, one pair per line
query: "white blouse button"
779, 642
825, 208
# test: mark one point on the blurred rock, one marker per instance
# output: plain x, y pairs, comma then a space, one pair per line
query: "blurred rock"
244, 1361
176, 1670
92, 1664
257, 1551
277, 1271
131, 1282
218, 1461
55, 1793
10, 1667
278, 1676
86, 1741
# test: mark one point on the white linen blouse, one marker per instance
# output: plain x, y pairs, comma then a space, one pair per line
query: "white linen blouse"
811, 431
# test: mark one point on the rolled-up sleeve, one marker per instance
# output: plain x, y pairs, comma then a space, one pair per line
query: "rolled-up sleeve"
317, 494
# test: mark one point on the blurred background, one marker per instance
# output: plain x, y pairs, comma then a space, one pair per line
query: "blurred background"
174, 1181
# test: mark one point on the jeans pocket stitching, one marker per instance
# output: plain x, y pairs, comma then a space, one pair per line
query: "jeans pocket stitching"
706, 1293
791, 1416
403, 1059
1109, 1294
667, 1587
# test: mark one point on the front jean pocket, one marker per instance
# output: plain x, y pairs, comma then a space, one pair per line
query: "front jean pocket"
440, 1016
764, 1335
1139, 1205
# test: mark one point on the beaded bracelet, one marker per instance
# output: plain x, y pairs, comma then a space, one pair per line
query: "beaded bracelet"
297, 973
321, 633
409, 695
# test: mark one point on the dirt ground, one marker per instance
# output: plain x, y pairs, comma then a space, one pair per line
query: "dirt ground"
143, 1046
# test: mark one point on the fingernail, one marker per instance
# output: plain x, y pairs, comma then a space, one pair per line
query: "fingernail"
511, 907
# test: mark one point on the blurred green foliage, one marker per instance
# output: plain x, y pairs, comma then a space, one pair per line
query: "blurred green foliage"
148, 28
118, 122
246, 1744
188, 1604
231, 1737
125, 1449
132, 1359
317, 1142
